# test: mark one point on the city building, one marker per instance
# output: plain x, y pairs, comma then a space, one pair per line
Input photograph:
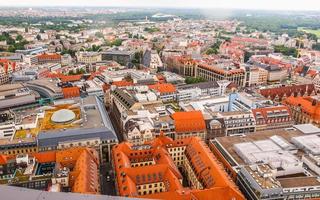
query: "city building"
15, 95
273, 117
245, 101
121, 57
48, 58
88, 57
283, 92
304, 109
189, 124
58, 125
73, 170
273, 164
6, 69
167, 169
238, 122
47, 88
165, 91
221, 72
194, 91
151, 59
77, 122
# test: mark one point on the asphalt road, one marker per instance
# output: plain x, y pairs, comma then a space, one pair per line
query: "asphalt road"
107, 187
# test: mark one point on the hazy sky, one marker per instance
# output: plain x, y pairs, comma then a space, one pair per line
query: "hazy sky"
242, 4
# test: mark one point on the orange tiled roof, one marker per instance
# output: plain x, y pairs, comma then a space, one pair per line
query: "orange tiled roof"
215, 180
49, 56
188, 121
163, 87
122, 83
3, 159
263, 112
306, 105
44, 157
71, 78
280, 92
84, 162
70, 92
249, 40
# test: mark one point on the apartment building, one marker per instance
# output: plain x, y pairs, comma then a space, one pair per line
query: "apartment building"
156, 170
221, 72
121, 57
282, 92
274, 117
189, 124
88, 57
6, 69
304, 109
165, 91
238, 122
48, 58
75, 170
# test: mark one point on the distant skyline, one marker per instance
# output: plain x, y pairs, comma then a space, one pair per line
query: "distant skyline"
228, 4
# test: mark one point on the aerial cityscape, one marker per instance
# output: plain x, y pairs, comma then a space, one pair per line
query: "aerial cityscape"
186, 100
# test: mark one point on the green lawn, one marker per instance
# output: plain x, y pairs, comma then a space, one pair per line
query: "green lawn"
316, 32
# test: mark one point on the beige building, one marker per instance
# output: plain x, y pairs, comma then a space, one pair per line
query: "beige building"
88, 57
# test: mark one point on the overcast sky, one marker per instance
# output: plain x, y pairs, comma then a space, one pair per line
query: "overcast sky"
241, 4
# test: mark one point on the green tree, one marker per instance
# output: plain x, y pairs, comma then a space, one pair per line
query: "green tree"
99, 35
316, 46
19, 38
247, 56
288, 51
192, 80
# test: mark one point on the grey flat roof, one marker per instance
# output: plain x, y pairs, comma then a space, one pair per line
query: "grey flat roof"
14, 193
307, 128
203, 85
118, 52
52, 138
91, 129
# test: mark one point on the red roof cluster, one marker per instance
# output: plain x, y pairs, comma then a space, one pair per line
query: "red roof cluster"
6, 64
123, 83
66, 78
246, 40
160, 168
286, 91
272, 61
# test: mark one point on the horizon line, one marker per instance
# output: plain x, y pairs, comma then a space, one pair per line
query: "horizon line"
156, 7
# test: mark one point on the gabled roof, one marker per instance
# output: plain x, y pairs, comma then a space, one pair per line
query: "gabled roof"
48, 56
188, 121
163, 87
206, 168
307, 104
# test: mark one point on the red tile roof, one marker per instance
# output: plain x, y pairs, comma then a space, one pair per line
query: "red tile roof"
286, 91
122, 83
163, 87
307, 105
261, 114
70, 92
49, 56
214, 179
71, 78
188, 121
